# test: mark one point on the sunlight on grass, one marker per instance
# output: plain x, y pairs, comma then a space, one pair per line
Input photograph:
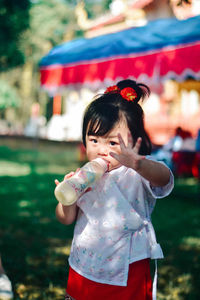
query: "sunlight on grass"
13, 169
187, 181
62, 250
29, 293
175, 288
45, 220
190, 242
51, 169
24, 214
23, 203
55, 169
34, 261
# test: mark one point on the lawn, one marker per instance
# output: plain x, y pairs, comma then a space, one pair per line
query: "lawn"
35, 247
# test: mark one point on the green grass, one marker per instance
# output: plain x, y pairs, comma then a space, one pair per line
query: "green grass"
176, 220
35, 246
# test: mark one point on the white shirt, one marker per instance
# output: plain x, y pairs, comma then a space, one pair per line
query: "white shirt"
113, 227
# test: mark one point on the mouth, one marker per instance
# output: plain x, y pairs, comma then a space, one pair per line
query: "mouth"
108, 163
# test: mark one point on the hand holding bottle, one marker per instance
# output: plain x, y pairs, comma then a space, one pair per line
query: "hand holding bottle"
75, 184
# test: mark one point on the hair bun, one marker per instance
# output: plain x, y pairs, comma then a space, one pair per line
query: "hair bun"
129, 94
140, 90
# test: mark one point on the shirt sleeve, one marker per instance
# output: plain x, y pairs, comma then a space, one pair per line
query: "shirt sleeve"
160, 191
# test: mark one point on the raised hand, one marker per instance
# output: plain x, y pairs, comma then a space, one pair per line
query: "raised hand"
129, 155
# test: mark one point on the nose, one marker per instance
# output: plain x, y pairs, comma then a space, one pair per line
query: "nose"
103, 150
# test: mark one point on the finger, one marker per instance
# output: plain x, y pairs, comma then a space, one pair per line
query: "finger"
121, 141
56, 181
142, 156
137, 145
114, 155
69, 175
130, 140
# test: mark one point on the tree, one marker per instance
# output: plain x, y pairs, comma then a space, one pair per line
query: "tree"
27, 35
49, 22
14, 20
96, 8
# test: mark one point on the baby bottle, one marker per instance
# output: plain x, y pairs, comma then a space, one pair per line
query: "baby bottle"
69, 190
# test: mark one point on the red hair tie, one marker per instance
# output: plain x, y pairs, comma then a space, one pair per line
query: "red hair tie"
127, 93
113, 88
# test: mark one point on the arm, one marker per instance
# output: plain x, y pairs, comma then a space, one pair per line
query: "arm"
156, 173
66, 214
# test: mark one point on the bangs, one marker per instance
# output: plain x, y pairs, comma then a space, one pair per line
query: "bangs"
100, 125
102, 119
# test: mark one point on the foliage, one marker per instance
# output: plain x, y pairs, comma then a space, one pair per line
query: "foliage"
28, 29
14, 19
8, 95
47, 23
96, 8
50, 21
35, 246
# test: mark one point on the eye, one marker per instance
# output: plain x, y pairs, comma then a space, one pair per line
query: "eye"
93, 140
113, 143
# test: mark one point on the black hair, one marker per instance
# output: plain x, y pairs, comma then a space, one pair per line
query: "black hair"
106, 109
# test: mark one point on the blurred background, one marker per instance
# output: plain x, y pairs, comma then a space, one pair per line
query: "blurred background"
55, 56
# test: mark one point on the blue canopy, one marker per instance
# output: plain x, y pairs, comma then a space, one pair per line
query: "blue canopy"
163, 48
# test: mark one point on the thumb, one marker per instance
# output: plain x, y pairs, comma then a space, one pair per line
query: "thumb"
56, 181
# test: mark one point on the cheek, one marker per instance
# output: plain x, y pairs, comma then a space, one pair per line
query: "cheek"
116, 149
112, 159
90, 152
113, 164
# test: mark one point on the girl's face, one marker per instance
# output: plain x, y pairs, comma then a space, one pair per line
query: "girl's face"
101, 146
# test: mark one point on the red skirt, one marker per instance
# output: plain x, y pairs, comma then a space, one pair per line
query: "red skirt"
139, 285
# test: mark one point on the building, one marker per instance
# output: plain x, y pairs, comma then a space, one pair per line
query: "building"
172, 104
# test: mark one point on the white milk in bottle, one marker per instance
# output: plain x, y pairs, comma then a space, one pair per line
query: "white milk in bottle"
68, 191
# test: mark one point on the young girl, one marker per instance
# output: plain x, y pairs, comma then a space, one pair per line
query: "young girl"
109, 258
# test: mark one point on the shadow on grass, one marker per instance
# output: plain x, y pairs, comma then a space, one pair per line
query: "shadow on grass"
176, 220
35, 246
